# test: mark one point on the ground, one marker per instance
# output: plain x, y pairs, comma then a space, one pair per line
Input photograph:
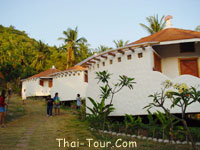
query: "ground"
29, 128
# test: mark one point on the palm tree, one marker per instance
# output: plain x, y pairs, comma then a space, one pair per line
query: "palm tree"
72, 42
103, 48
120, 43
197, 28
155, 24
84, 51
41, 54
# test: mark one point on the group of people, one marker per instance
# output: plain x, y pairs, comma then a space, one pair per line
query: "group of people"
55, 102
51, 103
3, 106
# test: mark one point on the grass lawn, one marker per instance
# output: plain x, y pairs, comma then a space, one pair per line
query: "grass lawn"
29, 128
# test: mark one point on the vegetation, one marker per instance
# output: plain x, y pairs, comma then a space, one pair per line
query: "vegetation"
102, 48
46, 129
155, 24
75, 47
102, 109
23, 119
181, 96
120, 43
22, 56
160, 125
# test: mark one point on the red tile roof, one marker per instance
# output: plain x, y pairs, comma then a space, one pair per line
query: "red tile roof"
169, 34
45, 73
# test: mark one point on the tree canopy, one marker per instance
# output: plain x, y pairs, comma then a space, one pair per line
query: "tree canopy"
154, 24
22, 56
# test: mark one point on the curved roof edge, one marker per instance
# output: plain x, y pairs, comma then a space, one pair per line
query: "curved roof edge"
145, 44
44, 74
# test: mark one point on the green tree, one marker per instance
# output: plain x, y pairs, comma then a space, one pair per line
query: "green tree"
84, 51
100, 111
72, 43
120, 43
154, 24
41, 54
103, 48
22, 56
182, 96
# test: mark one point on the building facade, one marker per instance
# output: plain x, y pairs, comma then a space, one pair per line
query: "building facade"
171, 54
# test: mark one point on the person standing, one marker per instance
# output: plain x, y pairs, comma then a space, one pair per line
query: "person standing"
9, 94
78, 100
57, 104
49, 106
2, 108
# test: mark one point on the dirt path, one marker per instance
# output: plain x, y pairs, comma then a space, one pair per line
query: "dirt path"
35, 131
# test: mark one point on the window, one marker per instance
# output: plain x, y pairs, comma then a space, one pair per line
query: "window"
189, 66
111, 61
140, 55
78, 74
129, 57
103, 63
50, 83
41, 82
119, 59
86, 76
187, 47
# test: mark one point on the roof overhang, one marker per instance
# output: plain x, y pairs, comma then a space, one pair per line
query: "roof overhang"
45, 77
179, 41
65, 71
35, 78
110, 52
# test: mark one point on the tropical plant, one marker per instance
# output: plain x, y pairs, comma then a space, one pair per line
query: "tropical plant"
84, 51
102, 109
133, 123
72, 43
152, 123
103, 48
167, 122
120, 43
155, 24
42, 53
182, 96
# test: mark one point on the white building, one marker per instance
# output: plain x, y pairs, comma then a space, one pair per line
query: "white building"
39, 84
171, 54
69, 83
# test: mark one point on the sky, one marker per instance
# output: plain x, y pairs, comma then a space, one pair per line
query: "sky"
99, 21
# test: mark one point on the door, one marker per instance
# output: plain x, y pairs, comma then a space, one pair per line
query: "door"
189, 66
157, 63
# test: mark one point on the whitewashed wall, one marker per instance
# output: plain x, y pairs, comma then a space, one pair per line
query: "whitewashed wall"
133, 101
170, 55
33, 88
69, 86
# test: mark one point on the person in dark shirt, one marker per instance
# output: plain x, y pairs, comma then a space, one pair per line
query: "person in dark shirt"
2, 108
49, 106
